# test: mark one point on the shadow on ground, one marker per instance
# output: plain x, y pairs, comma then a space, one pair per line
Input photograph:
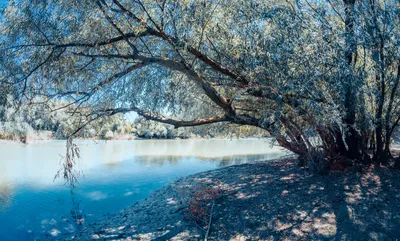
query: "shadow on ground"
268, 201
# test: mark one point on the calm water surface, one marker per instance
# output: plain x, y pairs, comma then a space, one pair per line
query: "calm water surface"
116, 174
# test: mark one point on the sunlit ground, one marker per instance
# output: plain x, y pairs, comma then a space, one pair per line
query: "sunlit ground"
277, 201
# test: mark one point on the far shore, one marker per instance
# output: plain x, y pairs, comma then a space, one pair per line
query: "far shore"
270, 200
126, 137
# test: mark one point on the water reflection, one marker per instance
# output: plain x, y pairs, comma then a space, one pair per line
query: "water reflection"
223, 161
6, 197
237, 160
116, 175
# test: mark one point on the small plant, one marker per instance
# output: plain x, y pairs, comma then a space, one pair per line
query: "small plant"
201, 205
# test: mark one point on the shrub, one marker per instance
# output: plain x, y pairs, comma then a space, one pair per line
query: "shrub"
109, 135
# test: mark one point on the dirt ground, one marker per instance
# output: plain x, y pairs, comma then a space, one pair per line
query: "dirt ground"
267, 201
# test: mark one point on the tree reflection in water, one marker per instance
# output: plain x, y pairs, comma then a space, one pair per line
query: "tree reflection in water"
224, 161
6, 197
77, 214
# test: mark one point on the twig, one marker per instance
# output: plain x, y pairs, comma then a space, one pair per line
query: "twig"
209, 222
202, 229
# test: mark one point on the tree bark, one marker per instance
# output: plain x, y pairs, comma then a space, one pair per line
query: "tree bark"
350, 103
389, 110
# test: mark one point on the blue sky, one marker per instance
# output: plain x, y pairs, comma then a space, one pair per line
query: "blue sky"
3, 3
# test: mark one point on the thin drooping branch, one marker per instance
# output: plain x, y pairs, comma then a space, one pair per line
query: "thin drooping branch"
127, 40
109, 41
218, 67
67, 170
266, 91
177, 42
209, 91
235, 119
26, 77
159, 118
111, 79
180, 123
107, 56
292, 100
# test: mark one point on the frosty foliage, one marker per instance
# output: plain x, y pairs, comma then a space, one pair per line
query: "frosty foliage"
327, 69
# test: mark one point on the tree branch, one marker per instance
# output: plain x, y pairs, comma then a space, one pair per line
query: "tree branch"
175, 41
166, 120
209, 91
182, 67
133, 47
87, 45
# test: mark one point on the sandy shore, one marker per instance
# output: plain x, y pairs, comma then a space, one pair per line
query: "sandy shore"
266, 201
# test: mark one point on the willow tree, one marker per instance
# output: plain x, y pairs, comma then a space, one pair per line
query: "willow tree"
321, 76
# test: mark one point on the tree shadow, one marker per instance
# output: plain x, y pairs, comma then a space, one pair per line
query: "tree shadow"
269, 201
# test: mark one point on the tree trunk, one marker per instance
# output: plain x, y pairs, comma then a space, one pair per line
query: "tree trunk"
350, 103
389, 110
378, 57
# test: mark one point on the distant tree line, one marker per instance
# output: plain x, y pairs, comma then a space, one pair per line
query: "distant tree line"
17, 121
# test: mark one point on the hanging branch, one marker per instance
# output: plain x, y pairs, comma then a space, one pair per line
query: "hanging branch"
67, 170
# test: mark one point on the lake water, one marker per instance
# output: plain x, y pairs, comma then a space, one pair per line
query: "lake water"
116, 174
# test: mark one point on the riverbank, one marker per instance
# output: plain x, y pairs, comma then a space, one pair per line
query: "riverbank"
47, 136
266, 201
